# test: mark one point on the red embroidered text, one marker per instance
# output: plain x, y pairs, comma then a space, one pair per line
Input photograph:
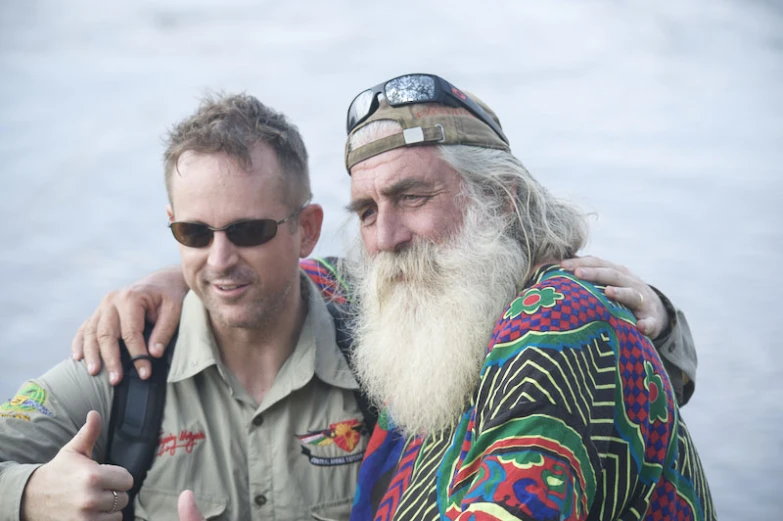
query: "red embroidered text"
170, 443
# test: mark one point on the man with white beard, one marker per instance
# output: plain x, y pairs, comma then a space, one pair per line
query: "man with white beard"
509, 388
438, 270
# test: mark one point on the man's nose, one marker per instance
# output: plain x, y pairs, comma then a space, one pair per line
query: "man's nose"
222, 252
391, 232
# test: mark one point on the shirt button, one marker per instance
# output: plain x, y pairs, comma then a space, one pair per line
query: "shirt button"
260, 500
258, 420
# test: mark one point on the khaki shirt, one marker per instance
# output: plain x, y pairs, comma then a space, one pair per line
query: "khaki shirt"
295, 456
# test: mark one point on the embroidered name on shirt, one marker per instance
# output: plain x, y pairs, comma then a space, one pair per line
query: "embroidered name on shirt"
187, 440
329, 462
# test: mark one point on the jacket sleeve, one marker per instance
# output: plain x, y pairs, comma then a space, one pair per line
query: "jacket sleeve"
678, 352
40, 419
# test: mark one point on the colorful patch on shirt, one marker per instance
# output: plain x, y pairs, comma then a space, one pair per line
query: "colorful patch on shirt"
186, 441
533, 300
346, 435
30, 398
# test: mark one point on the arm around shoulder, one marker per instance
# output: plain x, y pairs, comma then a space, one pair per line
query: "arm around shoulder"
678, 351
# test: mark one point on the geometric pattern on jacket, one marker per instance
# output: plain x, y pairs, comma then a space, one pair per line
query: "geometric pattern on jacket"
573, 418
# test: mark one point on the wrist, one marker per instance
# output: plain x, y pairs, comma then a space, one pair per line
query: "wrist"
671, 316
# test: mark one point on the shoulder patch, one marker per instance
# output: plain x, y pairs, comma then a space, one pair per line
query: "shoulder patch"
29, 399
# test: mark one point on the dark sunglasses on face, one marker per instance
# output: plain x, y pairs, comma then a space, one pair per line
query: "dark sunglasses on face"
245, 233
415, 88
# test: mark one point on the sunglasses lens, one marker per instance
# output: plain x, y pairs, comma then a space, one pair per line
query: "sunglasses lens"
252, 233
413, 88
193, 235
360, 108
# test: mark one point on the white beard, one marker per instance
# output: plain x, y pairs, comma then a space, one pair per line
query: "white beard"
425, 317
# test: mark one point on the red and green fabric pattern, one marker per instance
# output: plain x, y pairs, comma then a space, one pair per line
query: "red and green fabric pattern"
325, 273
573, 418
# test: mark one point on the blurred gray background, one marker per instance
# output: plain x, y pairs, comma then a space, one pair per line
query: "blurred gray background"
664, 118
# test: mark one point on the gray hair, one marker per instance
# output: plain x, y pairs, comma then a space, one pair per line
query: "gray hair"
547, 228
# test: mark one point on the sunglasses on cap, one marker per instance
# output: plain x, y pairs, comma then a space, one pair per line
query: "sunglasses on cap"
245, 233
415, 88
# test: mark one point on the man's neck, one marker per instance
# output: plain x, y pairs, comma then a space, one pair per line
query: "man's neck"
255, 356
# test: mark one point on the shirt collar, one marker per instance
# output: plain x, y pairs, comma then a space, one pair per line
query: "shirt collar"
330, 363
196, 348
316, 352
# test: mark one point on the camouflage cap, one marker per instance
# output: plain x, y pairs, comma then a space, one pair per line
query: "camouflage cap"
426, 124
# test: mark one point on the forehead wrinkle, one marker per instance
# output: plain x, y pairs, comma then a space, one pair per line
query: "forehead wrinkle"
403, 185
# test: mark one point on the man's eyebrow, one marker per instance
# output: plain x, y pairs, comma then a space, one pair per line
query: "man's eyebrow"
404, 185
391, 191
357, 204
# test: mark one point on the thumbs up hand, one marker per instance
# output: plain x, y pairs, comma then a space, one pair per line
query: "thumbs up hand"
73, 487
187, 509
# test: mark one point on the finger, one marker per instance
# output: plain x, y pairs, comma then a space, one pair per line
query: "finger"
92, 356
605, 277
629, 297
108, 331
131, 315
114, 477
77, 344
648, 326
187, 508
108, 516
106, 503
84, 440
165, 326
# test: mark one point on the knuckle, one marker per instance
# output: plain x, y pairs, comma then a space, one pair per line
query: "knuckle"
110, 298
88, 330
92, 479
129, 294
130, 336
90, 502
104, 333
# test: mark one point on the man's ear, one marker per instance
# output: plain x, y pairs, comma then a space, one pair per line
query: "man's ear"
310, 220
170, 213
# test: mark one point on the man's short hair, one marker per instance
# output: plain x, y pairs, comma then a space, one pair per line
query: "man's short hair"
233, 125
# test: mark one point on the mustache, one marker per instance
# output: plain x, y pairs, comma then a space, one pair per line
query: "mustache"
417, 265
234, 275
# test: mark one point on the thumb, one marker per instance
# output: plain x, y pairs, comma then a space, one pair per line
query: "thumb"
85, 439
187, 509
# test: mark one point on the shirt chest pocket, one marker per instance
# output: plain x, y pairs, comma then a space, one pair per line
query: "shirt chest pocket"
152, 504
332, 511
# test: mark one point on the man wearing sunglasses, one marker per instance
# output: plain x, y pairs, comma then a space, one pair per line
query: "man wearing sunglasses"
510, 388
220, 234
261, 417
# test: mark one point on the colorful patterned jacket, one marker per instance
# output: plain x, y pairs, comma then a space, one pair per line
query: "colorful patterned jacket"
573, 418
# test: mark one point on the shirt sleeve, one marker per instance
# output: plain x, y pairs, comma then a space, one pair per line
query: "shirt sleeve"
40, 419
678, 351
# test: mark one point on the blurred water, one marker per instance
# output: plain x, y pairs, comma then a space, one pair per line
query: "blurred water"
665, 119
